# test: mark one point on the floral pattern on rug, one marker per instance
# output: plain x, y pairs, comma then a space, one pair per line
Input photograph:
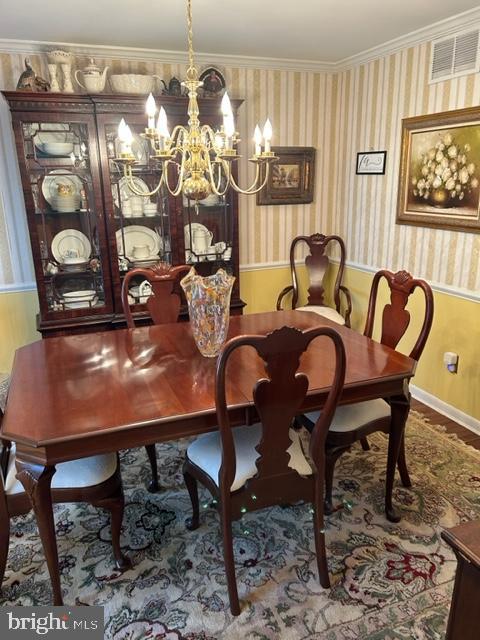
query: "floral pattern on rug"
388, 581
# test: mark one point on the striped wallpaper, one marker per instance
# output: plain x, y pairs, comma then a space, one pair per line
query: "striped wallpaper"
372, 100
339, 113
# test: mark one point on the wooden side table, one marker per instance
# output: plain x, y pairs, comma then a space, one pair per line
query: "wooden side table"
464, 619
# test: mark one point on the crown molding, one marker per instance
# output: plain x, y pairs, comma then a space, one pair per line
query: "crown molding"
29, 47
443, 28
467, 20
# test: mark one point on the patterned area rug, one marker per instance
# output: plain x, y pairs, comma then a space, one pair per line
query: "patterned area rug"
388, 581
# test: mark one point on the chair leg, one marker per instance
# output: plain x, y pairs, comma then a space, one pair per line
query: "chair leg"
319, 532
4, 542
331, 457
229, 560
115, 504
193, 522
402, 465
153, 486
365, 445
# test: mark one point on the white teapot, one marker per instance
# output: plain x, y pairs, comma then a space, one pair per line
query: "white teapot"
93, 77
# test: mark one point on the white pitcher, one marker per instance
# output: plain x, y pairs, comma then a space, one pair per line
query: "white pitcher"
202, 239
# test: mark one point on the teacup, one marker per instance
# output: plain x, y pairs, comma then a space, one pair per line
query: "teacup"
127, 210
141, 251
150, 209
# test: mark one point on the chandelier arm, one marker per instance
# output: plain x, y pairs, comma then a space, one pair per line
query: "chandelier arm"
216, 186
252, 189
178, 188
227, 182
136, 191
212, 135
207, 130
178, 134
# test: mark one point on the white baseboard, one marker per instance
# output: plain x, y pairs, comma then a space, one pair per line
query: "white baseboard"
469, 422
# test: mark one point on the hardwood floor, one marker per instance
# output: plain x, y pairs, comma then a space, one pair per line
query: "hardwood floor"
471, 438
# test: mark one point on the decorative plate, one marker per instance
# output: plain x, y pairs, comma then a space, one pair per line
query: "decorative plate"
126, 192
60, 176
72, 242
213, 82
137, 235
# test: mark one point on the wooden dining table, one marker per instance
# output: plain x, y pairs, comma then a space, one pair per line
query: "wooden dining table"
81, 395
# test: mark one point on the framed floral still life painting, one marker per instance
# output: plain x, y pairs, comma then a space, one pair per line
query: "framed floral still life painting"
291, 178
440, 171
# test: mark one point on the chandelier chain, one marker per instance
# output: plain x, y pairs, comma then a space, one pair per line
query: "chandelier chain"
191, 71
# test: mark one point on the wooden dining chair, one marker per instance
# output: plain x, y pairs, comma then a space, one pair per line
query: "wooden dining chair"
354, 422
95, 480
163, 306
317, 263
251, 467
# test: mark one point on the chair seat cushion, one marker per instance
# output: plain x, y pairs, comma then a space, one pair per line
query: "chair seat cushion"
76, 474
352, 416
326, 312
206, 453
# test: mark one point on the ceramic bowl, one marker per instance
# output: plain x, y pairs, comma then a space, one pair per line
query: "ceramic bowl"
57, 56
133, 83
58, 148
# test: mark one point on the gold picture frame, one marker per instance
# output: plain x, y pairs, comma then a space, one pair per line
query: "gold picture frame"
439, 181
291, 178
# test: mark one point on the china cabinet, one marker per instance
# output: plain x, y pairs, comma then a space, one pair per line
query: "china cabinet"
87, 228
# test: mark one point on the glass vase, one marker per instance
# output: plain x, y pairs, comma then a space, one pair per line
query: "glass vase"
209, 309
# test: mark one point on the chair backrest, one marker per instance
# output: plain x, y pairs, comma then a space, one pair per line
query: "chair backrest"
164, 303
278, 399
317, 264
395, 317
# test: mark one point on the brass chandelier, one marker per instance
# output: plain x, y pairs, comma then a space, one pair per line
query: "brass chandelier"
202, 157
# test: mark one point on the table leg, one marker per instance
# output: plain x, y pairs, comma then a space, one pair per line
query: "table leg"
36, 480
400, 407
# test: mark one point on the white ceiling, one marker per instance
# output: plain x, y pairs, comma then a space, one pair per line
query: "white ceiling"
319, 30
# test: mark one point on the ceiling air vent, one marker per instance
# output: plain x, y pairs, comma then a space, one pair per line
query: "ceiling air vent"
455, 56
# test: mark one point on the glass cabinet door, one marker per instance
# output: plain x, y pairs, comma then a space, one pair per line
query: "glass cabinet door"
141, 222
208, 232
64, 206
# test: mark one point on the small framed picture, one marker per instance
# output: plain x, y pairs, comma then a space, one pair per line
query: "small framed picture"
371, 162
291, 178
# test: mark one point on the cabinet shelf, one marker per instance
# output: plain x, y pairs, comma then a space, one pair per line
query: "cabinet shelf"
82, 212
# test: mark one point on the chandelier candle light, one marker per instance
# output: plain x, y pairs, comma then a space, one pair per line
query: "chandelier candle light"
203, 157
